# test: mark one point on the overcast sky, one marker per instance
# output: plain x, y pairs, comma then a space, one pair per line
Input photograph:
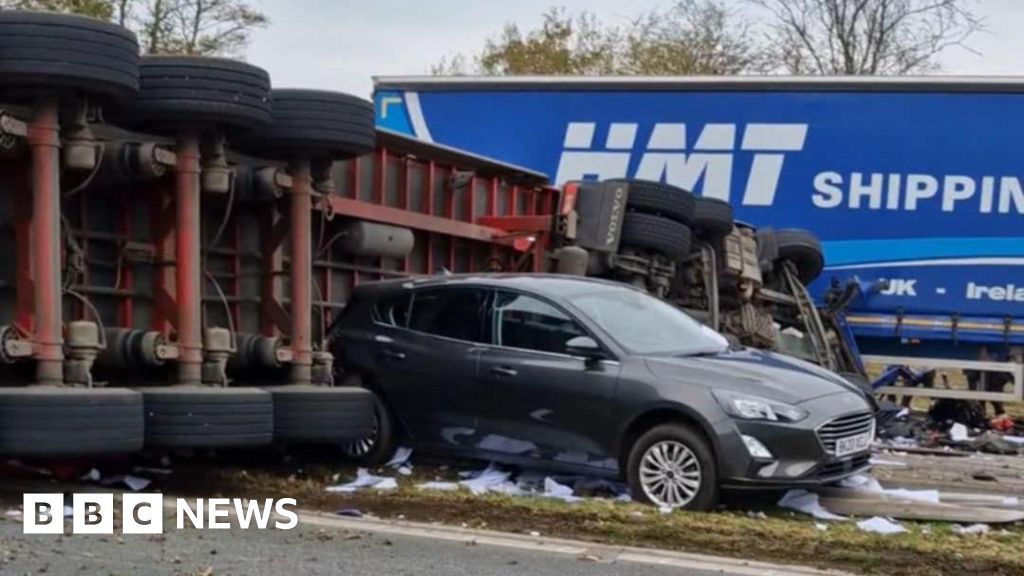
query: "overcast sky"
340, 44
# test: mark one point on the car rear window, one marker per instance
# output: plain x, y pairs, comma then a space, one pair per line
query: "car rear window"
459, 313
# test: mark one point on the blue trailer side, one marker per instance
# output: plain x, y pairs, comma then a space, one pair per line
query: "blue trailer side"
914, 185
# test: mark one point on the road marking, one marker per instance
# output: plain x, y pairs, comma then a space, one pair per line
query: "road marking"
727, 566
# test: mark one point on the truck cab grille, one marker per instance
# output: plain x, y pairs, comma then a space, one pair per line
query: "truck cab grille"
843, 426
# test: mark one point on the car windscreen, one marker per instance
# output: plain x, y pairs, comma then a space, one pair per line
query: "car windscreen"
643, 324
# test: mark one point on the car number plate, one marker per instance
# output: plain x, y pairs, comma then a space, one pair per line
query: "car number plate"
853, 444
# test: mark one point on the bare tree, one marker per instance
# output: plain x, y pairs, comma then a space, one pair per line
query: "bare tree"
199, 27
101, 9
865, 36
564, 44
691, 37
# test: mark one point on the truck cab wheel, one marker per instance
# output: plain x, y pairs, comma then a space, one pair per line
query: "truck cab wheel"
672, 466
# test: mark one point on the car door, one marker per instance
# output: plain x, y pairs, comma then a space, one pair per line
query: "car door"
534, 399
431, 359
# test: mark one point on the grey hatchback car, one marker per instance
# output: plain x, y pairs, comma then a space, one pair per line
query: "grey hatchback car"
593, 377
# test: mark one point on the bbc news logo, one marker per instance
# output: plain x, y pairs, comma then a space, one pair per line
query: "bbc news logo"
93, 513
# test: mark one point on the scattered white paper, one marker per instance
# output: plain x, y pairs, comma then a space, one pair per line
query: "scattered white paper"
492, 479
1011, 501
892, 463
866, 483
365, 480
13, 513
134, 483
879, 525
821, 527
807, 503
958, 433
1014, 439
903, 413
972, 529
929, 496
862, 482
664, 510
445, 486
553, 489
405, 470
92, 475
401, 457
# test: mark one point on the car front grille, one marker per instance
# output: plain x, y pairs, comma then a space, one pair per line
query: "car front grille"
849, 425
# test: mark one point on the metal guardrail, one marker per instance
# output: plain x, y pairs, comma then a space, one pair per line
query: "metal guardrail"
1016, 395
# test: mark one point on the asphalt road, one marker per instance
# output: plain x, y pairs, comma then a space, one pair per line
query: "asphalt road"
308, 549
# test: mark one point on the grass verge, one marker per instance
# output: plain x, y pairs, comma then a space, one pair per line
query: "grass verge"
926, 550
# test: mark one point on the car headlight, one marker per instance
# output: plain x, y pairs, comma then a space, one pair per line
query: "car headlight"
749, 407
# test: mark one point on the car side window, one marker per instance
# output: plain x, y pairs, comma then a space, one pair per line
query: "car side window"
459, 313
393, 311
525, 322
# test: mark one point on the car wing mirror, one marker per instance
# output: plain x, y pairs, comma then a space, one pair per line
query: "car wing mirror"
585, 347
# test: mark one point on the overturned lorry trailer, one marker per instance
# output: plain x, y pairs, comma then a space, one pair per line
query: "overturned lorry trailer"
912, 184
178, 234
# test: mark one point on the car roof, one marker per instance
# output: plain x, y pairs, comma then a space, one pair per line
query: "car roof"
552, 285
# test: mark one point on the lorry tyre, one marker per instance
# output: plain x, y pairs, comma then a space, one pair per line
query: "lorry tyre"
321, 414
672, 466
712, 218
46, 421
207, 417
655, 233
182, 90
45, 53
317, 123
802, 249
659, 199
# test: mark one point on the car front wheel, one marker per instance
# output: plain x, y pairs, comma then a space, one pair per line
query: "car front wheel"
672, 466
379, 445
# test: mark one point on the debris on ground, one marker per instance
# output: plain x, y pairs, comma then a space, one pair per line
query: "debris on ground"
133, 483
975, 529
952, 425
807, 503
401, 461
438, 485
349, 512
879, 525
365, 480
958, 433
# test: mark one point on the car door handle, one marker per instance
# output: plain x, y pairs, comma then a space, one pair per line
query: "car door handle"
394, 354
503, 372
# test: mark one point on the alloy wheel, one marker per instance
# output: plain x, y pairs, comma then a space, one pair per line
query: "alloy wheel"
359, 448
670, 474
